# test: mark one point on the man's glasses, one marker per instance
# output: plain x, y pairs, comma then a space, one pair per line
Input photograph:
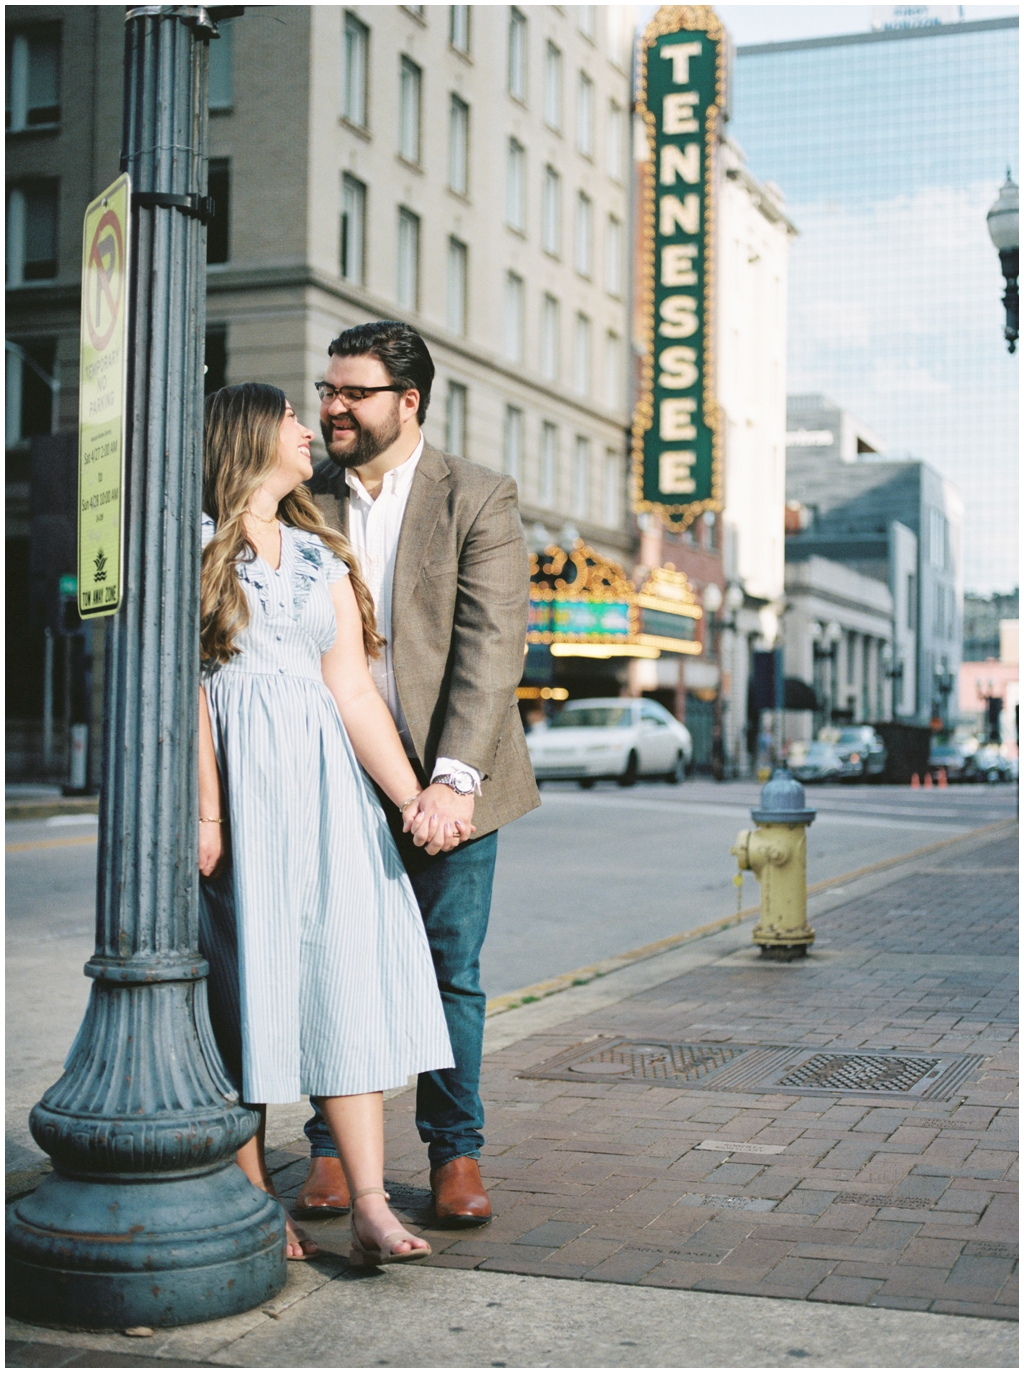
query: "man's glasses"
351, 395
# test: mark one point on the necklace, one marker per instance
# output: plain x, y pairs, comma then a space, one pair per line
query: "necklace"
262, 519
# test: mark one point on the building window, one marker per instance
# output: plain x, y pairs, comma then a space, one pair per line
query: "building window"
552, 86
581, 478
550, 327
548, 464
551, 212
517, 55
457, 274
911, 600
581, 356
455, 419
612, 489
458, 146
613, 371
353, 230
32, 232
613, 257
215, 362
585, 21
221, 67
408, 285
410, 85
218, 231
31, 388
585, 116
584, 234
33, 78
458, 28
515, 186
615, 144
355, 52
514, 302
514, 442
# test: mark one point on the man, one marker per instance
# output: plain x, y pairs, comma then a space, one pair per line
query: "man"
441, 546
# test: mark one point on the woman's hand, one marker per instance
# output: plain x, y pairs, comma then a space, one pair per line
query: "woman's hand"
211, 848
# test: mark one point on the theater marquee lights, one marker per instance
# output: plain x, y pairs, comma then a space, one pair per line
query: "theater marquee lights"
677, 459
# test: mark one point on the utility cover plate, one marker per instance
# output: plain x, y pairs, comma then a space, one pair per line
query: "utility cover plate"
778, 1068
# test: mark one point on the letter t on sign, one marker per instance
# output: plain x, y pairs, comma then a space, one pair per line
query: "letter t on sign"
679, 55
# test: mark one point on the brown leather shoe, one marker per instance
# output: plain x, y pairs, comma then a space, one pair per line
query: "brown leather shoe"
459, 1197
325, 1192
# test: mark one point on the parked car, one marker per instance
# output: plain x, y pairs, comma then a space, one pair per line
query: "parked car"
948, 758
861, 749
815, 762
611, 737
987, 764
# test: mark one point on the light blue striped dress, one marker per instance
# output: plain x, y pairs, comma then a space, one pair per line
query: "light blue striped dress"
321, 979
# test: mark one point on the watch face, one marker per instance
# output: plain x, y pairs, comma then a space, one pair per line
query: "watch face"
463, 783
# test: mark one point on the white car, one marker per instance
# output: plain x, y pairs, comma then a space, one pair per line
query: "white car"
614, 737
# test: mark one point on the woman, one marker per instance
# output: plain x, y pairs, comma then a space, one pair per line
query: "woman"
321, 976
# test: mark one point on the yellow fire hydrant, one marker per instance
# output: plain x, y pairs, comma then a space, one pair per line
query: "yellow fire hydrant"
776, 853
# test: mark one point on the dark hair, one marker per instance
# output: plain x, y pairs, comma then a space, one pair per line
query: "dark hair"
399, 349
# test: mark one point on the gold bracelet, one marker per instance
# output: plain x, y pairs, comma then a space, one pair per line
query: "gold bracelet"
210, 820
404, 804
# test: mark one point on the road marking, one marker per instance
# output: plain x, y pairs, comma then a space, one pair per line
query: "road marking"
60, 821
51, 843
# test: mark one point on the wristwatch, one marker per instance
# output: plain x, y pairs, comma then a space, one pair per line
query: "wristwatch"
460, 782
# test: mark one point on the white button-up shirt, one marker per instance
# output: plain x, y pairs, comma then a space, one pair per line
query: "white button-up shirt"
374, 527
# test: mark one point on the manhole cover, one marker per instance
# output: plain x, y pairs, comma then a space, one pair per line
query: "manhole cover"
785, 1068
863, 1073
646, 1062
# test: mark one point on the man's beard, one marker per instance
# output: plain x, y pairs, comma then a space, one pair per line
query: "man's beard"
369, 442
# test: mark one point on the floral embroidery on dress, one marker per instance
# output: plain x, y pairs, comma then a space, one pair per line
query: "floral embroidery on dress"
305, 575
249, 573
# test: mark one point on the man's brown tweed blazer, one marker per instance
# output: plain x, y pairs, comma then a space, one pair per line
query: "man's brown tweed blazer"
459, 612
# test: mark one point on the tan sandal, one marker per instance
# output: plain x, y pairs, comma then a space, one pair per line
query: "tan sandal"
371, 1256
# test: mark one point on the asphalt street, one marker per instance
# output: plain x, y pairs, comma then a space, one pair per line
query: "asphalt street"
588, 875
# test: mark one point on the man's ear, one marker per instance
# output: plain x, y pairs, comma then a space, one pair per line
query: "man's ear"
410, 404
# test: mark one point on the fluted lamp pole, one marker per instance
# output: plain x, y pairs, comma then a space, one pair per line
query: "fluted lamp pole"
146, 1220
1004, 229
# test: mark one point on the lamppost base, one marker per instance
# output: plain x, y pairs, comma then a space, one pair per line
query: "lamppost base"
111, 1253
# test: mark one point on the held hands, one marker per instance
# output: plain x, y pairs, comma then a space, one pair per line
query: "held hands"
438, 819
211, 847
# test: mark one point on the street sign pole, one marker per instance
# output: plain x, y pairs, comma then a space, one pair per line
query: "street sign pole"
145, 1220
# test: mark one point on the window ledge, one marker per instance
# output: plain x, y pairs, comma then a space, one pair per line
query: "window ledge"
360, 130
465, 56
412, 166
32, 130
461, 196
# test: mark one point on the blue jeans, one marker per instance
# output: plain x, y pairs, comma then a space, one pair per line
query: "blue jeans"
454, 895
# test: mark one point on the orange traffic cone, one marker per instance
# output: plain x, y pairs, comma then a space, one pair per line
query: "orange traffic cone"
943, 782
915, 783
927, 781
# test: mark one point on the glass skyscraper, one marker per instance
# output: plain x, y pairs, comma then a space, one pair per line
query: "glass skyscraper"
890, 148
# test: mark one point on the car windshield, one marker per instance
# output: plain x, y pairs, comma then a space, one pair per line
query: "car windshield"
851, 736
592, 717
817, 752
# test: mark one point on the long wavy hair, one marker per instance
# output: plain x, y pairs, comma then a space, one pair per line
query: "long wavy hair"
240, 451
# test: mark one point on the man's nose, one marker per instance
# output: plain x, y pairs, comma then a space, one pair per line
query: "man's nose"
336, 406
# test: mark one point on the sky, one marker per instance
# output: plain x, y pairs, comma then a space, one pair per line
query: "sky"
779, 23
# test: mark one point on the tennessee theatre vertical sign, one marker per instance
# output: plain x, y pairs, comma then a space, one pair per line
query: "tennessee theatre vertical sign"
677, 461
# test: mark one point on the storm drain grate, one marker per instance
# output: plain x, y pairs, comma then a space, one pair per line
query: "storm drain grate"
777, 1068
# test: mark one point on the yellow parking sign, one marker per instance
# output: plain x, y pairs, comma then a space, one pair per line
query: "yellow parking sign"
102, 400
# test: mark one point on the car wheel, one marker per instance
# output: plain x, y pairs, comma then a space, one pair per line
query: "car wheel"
632, 771
992, 775
585, 783
678, 773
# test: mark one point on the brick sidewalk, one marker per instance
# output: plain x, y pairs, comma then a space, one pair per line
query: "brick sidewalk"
628, 1169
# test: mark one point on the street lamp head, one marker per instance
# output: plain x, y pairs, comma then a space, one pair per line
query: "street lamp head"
1004, 217
833, 632
712, 598
733, 596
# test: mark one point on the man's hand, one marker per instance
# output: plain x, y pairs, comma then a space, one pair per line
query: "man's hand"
439, 819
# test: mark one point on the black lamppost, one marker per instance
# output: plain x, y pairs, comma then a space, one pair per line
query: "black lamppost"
944, 681
713, 602
145, 1220
893, 668
1004, 228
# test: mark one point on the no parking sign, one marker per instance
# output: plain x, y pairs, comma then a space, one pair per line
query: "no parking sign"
101, 400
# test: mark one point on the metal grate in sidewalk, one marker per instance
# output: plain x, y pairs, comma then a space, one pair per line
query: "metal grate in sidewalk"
789, 1069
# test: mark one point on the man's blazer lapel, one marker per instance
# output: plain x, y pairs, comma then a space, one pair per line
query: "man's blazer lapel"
426, 499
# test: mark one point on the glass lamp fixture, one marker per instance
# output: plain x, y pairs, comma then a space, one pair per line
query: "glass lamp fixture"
1004, 230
